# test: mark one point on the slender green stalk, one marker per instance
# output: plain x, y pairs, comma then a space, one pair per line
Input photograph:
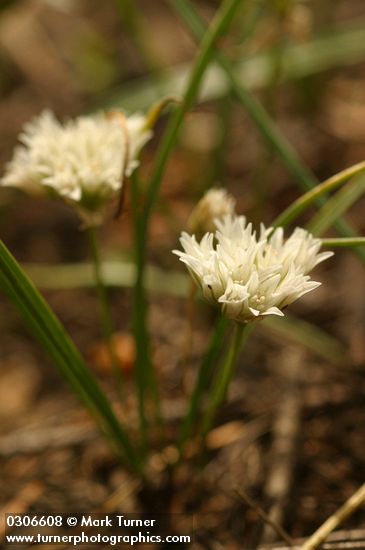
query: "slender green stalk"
344, 243
105, 311
271, 133
206, 52
304, 201
224, 374
144, 370
220, 23
216, 171
204, 375
56, 342
140, 32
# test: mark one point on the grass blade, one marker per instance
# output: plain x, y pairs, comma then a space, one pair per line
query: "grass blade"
145, 375
304, 201
48, 330
337, 206
116, 274
309, 336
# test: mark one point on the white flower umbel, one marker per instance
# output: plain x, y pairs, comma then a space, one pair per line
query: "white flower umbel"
215, 204
251, 275
83, 161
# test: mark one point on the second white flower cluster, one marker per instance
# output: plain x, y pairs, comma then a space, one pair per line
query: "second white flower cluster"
251, 275
83, 161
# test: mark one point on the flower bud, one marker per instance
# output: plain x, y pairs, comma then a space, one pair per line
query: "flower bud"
214, 205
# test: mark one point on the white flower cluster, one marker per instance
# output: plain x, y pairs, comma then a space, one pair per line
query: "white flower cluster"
251, 275
83, 161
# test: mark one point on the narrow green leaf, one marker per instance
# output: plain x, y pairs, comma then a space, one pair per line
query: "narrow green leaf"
209, 38
116, 273
345, 243
48, 330
308, 335
145, 375
337, 206
304, 201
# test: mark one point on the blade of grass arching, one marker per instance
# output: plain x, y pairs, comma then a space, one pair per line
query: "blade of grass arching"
202, 380
304, 201
56, 342
78, 386
334, 47
51, 334
308, 335
269, 130
337, 206
54, 353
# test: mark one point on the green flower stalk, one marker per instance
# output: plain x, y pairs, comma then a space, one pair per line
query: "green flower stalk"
250, 276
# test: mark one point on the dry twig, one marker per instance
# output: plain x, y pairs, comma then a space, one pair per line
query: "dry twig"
345, 511
265, 518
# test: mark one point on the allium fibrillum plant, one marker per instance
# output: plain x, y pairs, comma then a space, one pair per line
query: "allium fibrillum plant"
249, 274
